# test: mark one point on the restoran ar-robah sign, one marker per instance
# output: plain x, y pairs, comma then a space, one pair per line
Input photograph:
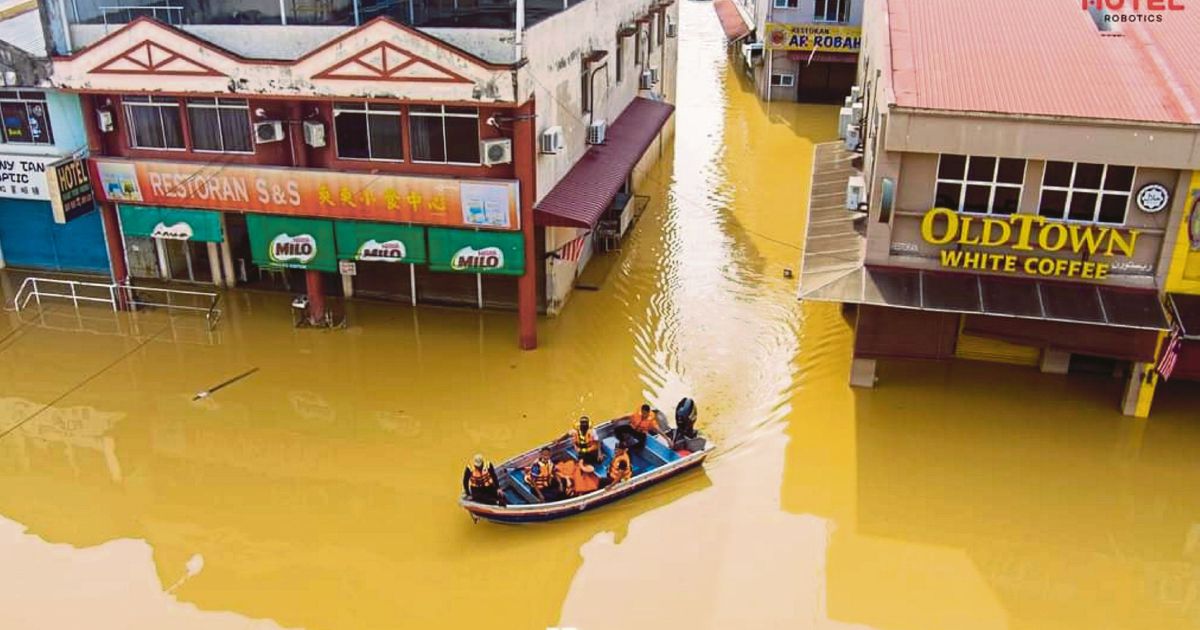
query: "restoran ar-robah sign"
814, 37
486, 204
1025, 233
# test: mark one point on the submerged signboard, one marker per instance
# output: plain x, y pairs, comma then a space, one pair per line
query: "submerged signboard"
814, 37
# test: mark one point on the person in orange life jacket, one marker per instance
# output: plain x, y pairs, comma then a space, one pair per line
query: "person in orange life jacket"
540, 477
642, 424
479, 482
579, 478
583, 438
621, 469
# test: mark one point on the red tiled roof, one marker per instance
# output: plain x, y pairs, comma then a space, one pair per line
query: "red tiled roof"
589, 187
1043, 57
731, 20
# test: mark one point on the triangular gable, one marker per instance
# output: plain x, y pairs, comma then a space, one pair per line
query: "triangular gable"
385, 61
148, 57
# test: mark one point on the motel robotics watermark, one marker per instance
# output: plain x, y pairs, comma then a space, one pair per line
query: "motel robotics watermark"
1117, 11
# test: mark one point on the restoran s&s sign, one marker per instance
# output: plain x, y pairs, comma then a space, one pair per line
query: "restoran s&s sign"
486, 204
942, 226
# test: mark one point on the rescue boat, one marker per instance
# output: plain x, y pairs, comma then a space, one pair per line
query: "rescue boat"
673, 452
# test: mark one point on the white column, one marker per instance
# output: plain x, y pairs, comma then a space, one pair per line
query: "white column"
479, 289
227, 256
412, 284
348, 285
214, 263
164, 269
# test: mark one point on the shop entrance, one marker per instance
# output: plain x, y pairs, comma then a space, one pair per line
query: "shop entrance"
168, 259
824, 82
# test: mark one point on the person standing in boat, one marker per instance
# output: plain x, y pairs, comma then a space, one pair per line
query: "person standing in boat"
642, 424
479, 482
583, 437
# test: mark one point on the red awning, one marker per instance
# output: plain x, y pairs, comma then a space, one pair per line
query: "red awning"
731, 20
589, 187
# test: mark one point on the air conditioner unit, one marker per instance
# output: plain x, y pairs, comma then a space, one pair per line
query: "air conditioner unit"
314, 133
856, 112
852, 138
856, 192
597, 131
653, 75
844, 120
552, 140
848, 102
856, 93
270, 131
646, 82
672, 29
496, 151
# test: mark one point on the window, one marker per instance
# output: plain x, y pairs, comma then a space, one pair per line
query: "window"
980, 185
783, 80
585, 90
154, 122
787, 4
1095, 193
832, 11
662, 28
368, 131
24, 118
444, 134
220, 124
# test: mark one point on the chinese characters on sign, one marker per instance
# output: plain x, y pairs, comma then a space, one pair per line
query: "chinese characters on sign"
490, 204
24, 177
814, 37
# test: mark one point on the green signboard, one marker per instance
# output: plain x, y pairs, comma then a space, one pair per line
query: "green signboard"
469, 251
171, 223
380, 242
278, 241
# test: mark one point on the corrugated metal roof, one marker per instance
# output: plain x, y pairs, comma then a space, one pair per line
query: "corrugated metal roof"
732, 22
1043, 57
25, 32
589, 187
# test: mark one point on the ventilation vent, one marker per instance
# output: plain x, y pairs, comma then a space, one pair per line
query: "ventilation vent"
1104, 22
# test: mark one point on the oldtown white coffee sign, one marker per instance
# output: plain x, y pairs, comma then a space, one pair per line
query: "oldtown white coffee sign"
178, 232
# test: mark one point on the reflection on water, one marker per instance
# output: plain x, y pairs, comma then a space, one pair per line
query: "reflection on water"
319, 492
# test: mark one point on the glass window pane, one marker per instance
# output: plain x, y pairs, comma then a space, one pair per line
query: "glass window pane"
1112, 208
425, 135
385, 137
462, 110
136, 99
977, 199
947, 196
1006, 200
1054, 204
1011, 171
952, 166
1119, 178
16, 122
1057, 174
383, 107
462, 140
981, 169
201, 101
39, 123
1088, 175
351, 131
206, 129
351, 106
235, 129
1083, 206
233, 102
425, 109
172, 127
145, 127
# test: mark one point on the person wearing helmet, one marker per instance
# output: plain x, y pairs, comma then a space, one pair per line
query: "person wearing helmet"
479, 482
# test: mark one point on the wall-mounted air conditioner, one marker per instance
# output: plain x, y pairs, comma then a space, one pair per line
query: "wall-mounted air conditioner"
672, 29
269, 131
597, 132
552, 140
653, 75
856, 93
856, 113
844, 120
856, 192
646, 81
314, 133
496, 151
852, 138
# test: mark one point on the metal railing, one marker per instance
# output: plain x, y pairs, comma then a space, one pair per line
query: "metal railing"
125, 13
115, 295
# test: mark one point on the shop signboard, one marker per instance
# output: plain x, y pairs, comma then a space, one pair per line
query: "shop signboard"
483, 204
380, 242
291, 242
170, 223
467, 251
814, 37
24, 176
1025, 233
70, 189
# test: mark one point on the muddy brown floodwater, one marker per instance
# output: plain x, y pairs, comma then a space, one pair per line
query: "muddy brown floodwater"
319, 492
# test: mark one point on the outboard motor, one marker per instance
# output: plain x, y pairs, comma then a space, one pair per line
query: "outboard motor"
685, 419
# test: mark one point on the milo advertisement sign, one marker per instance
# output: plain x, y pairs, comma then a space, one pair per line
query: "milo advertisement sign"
387, 251
292, 242
476, 251
299, 250
474, 260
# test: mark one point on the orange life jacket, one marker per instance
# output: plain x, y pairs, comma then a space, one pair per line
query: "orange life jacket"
585, 482
621, 468
481, 477
585, 441
540, 474
643, 424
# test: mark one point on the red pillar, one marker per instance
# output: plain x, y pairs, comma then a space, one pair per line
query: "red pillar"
525, 165
316, 297
108, 211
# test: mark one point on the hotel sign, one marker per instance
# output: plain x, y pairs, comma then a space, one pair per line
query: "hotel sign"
485, 204
814, 37
942, 226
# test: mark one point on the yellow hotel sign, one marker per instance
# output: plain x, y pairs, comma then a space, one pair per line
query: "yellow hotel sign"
814, 37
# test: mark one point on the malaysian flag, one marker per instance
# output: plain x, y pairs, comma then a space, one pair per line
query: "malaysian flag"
573, 250
1170, 355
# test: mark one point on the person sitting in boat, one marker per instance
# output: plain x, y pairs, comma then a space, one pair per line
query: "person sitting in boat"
540, 477
621, 469
479, 482
583, 437
579, 478
642, 424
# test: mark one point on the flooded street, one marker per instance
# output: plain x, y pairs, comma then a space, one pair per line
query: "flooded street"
319, 492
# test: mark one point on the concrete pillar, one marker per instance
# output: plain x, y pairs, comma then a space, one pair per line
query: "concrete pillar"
116, 248
231, 278
525, 165
1139, 390
862, 373
214, 264
316, 296
1055, 361
348, 285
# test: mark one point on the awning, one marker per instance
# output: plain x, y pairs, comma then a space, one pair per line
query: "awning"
277, 241
170, 223
1186, 309
590, 186
380, 242
467, 251
732, 22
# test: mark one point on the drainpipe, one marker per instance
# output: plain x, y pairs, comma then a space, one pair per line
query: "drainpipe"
592, 92
520, 28
66, 25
